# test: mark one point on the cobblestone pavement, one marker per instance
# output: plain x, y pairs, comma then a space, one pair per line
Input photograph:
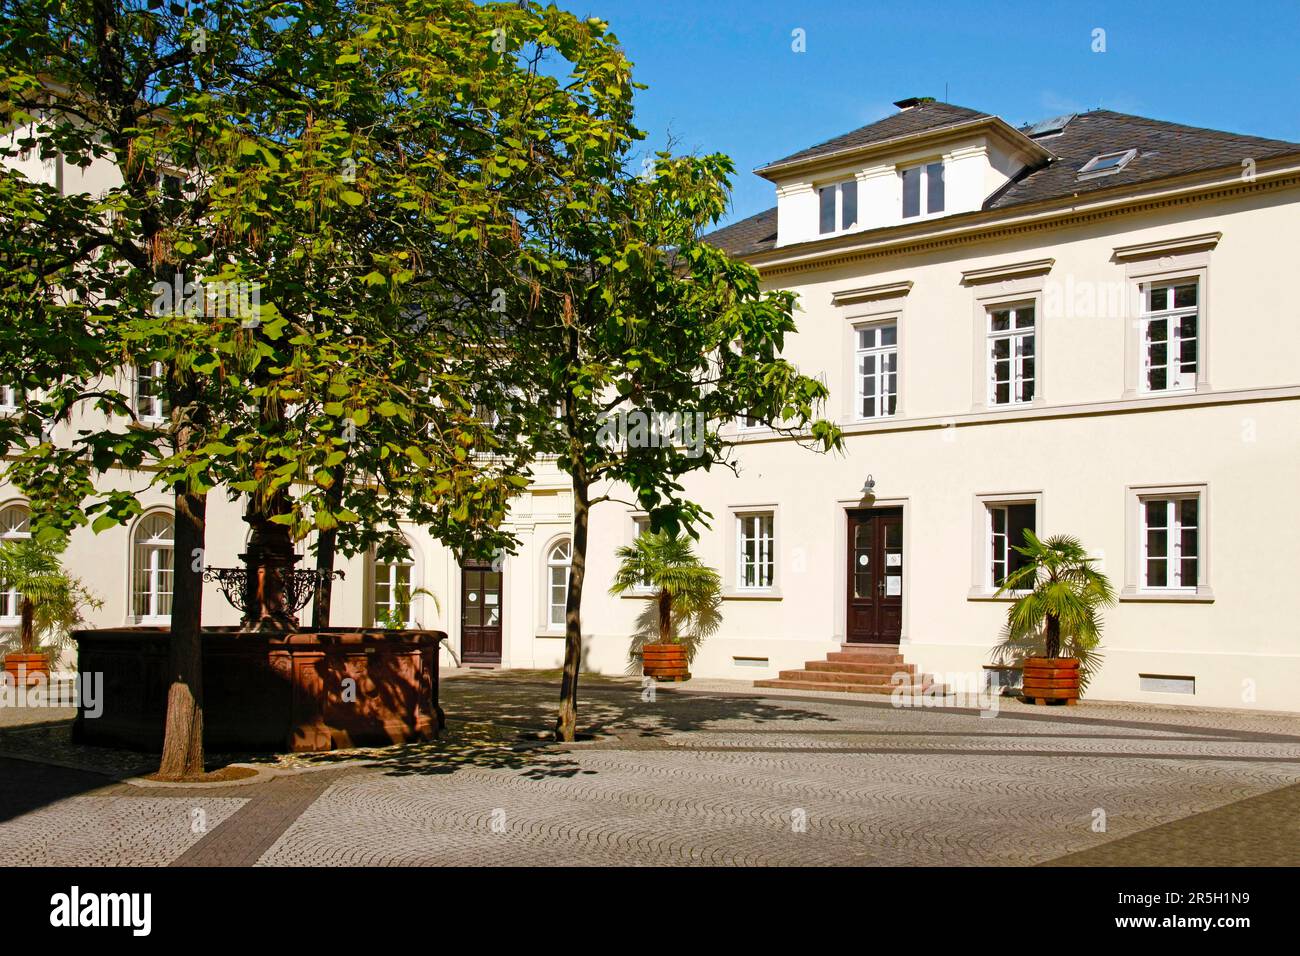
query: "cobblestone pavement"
711, 775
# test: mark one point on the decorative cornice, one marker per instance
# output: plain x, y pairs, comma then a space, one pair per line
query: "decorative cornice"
1167, 247
1015, 270
889, 290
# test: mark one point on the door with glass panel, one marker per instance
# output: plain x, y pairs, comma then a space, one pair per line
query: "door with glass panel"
480, 612
875, 577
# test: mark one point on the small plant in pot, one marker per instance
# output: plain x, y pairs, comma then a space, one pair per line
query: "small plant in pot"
1054, 627
51, 603
683, 596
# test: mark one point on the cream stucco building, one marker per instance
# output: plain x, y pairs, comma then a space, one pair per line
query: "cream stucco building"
1084, 326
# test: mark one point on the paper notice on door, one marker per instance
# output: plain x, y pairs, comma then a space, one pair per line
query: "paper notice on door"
893, 585
893, 560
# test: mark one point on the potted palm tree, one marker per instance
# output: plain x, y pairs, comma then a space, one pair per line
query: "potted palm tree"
1054, 626
51, 603
683, 596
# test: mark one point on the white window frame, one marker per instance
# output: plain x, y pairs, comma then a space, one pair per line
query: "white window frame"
1173, 528
149, 408
1172, 317
8, 399
390, 572
983, 586
146, 559
839, 187
879, 353
1136, 587
553, 566
923, 200
13, 531
765, 549
640, 525
1015, 337
1002, 551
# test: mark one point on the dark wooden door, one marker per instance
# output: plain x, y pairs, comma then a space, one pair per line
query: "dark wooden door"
480, 613
875, 577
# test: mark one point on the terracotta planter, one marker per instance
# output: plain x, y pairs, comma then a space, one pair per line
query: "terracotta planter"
664, 662
1051, 680
28, 669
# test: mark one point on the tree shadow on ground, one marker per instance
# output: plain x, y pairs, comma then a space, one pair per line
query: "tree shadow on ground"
607, 705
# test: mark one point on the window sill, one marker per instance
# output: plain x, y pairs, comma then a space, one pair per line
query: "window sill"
1203, 595
985, 594
638, 595
755, 594
555, 635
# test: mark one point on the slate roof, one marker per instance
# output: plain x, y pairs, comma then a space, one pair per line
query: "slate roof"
918, 119
1164, 150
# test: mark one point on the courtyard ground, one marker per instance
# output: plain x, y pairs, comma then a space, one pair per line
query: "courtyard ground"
703, 773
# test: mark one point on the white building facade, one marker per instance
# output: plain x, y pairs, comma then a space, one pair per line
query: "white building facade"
1083, 327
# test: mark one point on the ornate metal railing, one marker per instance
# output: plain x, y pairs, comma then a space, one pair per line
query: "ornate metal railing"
300, 585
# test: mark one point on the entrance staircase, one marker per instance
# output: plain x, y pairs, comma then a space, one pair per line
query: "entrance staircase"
858, 669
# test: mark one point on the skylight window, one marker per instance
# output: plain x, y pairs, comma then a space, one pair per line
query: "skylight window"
1107, 163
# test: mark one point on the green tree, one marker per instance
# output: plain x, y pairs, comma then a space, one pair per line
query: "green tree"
366, 169
623, 315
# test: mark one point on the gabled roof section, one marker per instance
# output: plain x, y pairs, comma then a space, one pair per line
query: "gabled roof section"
924, 117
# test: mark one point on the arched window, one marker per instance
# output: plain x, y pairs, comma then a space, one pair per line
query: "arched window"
15, 525
153, 561
391, 598
558, 562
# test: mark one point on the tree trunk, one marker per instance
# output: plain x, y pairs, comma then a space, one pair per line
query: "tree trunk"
182, 754
326, 549
1053, 636
27, 630
665, 616
566, 722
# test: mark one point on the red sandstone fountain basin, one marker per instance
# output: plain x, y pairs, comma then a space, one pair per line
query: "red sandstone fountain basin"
309, 690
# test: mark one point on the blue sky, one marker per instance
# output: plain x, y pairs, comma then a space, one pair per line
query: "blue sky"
723, 76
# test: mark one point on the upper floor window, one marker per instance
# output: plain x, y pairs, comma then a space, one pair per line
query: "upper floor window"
558, 563
1171, 541
153, 560
877, 363
151, 402
10, 398
1011, 355
839, 206
755, 550
1170, 328
15, 525
922, 190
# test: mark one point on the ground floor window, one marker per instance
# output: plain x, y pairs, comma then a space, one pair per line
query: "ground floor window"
15, 525
153, 555
1007, 523
755, 550
391, 595
1171, 548
558, 562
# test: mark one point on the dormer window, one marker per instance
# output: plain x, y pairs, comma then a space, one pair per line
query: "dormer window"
1107, 163
839, 206
922, 190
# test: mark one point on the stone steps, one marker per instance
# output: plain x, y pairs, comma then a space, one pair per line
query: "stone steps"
857, 669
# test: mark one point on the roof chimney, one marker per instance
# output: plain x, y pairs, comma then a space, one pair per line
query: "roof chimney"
911, 101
